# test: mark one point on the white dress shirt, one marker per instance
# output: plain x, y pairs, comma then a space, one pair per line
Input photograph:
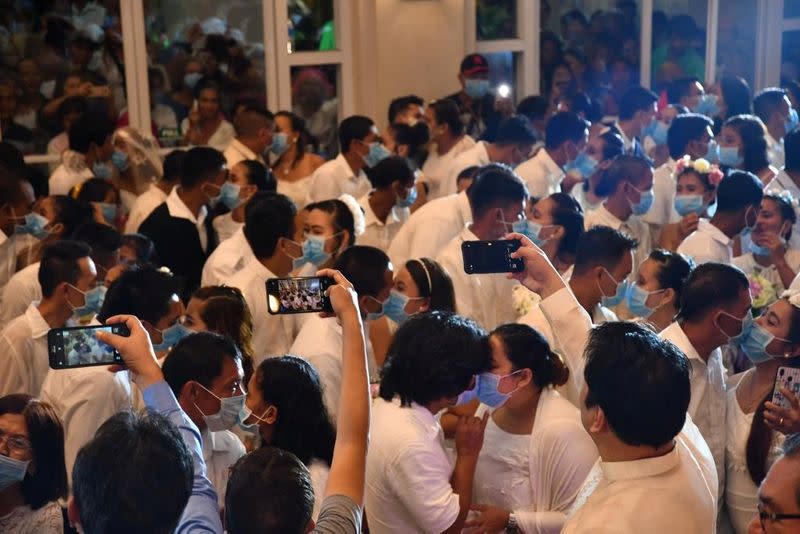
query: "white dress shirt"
237, 152
475, 156
486, 298
430, 229
179, 210
775, 151
8, 258
272, 334
23, 353
664, 187
334, 178
436, 169
297, 191
747, 263
143, 207
673, 493
707, 406
408, 472
220, 452
225, 226
541, 174
707, 244
65, 178
227, 259
55, 147
634, 227
221, 137
784, 183
380, 234
22, 289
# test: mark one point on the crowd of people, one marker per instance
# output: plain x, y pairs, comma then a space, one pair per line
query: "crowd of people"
624, 381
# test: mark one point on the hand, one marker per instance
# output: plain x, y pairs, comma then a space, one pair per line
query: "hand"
469, 435
783, 420
136, 350
688, 224
539, 275
774, 243
570, 180
344, 299
194, 116
491, 519
85, 89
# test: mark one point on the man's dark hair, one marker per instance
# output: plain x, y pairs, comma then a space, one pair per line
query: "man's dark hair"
432, 356
60, 264
364, 267
134, 476
515, 130
267, 218
269, 490
791, 146
636, 98
401, 104
711, 285
73, 104
533, 107
145, 292
640, 381
680, 88
564, 126
737, 191
446, 112
71, 213
495, 185
602, 246
685, 128
251, 120
626, 168
737, 96
353, 128
200, 164
89, 129
567, 213
388, 171
198, 357
767, 102
173, 166
103, 238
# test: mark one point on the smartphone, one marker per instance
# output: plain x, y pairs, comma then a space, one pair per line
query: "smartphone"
788, 378
298, 295
78, 347
485, 257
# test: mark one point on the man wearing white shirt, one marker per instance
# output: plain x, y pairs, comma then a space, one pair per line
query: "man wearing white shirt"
386, 207
269, 230
497, 197
449, 140
89, 154
566, 135
66, 274
15, 204
228, 258
738, 201
358, 144
788, 179
773, 107
637, 113
254, 130
512, 145
156, 192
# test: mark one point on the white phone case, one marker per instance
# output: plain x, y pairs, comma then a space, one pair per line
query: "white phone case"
788, 378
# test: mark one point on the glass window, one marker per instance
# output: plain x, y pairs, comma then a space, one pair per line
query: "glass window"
315, 98
503, 70
736, 40
189, 46
495, 19
790, 57
590, 46
311, 25
791, 9
56, 64
679, 41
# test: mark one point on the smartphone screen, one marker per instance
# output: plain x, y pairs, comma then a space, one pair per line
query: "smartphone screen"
786, 378
486, 257
78, 347
298, 295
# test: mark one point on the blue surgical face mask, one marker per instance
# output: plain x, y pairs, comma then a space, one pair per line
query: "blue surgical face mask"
395, 306
707, 105
409, 199
280, 144
11, 471
373, 316
729, 156
120, 160
476, 88
754, 343
646, 199
35, 225
191, 79
313, 252
171, 336
610, 301
487, 390
229, 195
584, 165
686, 204
92, 303
230, 409
215, 200
791, 121
758, 250
636, 299
245, 414
712, 154
532, 230
102, 170
377, 153
109, 211
747, 325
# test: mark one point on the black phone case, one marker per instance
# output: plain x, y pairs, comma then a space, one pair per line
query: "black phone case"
491, 257
52, 340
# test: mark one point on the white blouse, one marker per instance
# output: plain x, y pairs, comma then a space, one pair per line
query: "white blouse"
22, 520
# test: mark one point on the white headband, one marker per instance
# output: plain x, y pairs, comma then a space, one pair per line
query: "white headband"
427, 274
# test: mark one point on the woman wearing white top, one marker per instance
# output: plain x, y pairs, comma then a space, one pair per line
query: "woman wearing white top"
769, 255
294, 164
246, 178
773, 341
285, 398
656, 294
536, 453
205, 124
742, 145
555, 224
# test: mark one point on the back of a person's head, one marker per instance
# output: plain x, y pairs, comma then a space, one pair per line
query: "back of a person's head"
400, 104
767, 102
269, 491
602, 246
636, 98
353, 128
533, 107
225, 311
11, 158
515, 130
683, 129
71, 213
94, 190
446, 111
736, 93
173, 166
433, 356
613, 145
495, 186
268, 217
567, 213
89, 129
564, 126
639, 381
738, 190
198, 357
390, 170
680, 88
142, 245
249, 122
72, 105
60, 263
626, 168
134, 476
200, 164
526, 348
710, 286
791, 146
145, 292
365, 268
104, 239
433, 282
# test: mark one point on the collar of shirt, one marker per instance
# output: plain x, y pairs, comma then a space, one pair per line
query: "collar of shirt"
464, 208
259, 269
554, 173
210, 443
245, 151
39, 326
423, 417
371, 219
772, 143
648, 467
627, 143
705, 226
675, 334
607, 218
467, 235
345, 170
179, 210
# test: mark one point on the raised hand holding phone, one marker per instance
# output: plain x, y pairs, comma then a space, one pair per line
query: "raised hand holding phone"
538, 274
136, 351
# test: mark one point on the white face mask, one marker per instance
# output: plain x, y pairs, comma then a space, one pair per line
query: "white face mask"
229, 414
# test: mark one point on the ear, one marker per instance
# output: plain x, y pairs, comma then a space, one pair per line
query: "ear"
668, 296
526, 378
188, 391
271, 415
599, 422
345, 239
57, 229
73, 514
558, 232
605, 164
426, 305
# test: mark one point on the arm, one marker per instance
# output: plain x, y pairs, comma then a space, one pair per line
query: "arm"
469, 440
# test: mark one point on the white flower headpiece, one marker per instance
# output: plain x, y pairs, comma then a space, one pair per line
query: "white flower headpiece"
359, 221
793, 296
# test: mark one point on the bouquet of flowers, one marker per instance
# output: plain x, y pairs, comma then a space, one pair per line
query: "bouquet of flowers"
523, 300
762, 291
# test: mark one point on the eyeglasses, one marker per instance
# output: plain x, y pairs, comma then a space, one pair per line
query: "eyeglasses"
15, 442
769, 517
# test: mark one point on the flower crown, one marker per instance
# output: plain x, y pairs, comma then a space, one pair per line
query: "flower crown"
793, 296
703, 166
